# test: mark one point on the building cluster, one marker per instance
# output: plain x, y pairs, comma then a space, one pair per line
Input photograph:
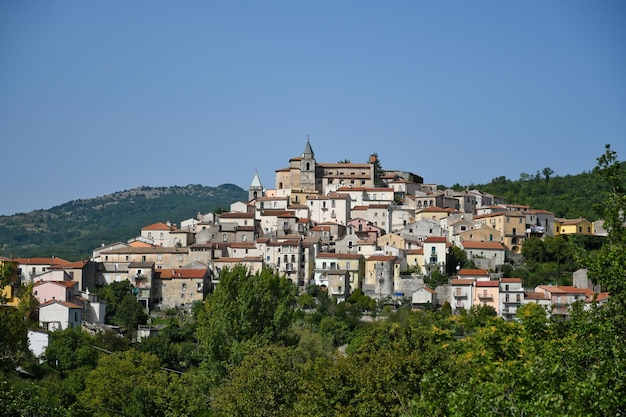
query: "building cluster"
341, 226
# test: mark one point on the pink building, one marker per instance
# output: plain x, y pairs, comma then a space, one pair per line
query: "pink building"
487, 293
45, 291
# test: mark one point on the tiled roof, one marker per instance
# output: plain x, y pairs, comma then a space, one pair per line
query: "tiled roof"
382, 258
465, 281
41, 261
474, 272
157, 226
435, 239
473, 244
487, 283
67, 284
63, 303
419, 251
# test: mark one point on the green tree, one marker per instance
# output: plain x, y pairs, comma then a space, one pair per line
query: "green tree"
266, 383
130, 313
547, 173
607, 265
245, 311
113, 294
128, 383
13, 338
534, 250
378, 169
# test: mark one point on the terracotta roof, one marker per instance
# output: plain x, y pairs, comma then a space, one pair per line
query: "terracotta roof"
500, 214
419, 251
157, 226
147, 250
76, 265
276, 213
473, 244
382, 258
436, 209
242, 245
41, 261
474, 272
435, 239
67, 284
487, 283
535, 296
63, 303
513, 280
465, 281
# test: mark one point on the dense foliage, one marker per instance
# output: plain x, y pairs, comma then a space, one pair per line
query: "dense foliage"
72, 230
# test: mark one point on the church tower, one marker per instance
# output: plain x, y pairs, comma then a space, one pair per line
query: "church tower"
256, 188
307, 168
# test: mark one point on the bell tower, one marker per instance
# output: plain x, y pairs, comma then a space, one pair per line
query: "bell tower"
307, 168
256, 188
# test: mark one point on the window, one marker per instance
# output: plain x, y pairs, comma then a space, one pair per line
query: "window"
143, 258
224, 237
184, 286
159, 257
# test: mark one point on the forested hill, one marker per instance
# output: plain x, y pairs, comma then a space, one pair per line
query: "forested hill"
571, 196
72, 230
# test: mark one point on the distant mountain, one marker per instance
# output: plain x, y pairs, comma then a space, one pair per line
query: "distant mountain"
72, 230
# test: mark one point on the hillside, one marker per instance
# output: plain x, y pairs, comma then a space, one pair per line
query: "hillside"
73, 229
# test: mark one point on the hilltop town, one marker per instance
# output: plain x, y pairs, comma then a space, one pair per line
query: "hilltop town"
340, 226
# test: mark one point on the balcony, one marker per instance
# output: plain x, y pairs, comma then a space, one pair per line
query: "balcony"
485, 296
459, 294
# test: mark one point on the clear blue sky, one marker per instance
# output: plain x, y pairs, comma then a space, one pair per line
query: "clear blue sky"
102, 96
